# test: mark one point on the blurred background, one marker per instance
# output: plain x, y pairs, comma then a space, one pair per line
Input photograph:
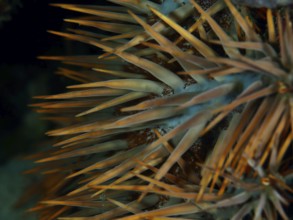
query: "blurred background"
23, 37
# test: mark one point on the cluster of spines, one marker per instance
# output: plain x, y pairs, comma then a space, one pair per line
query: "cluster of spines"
100, 171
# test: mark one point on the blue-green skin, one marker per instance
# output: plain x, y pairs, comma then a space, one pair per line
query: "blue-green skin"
170, 5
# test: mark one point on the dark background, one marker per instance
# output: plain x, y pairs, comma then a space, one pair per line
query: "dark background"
23, 37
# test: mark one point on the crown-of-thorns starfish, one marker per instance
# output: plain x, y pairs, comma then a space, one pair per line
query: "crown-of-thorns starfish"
186, 114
